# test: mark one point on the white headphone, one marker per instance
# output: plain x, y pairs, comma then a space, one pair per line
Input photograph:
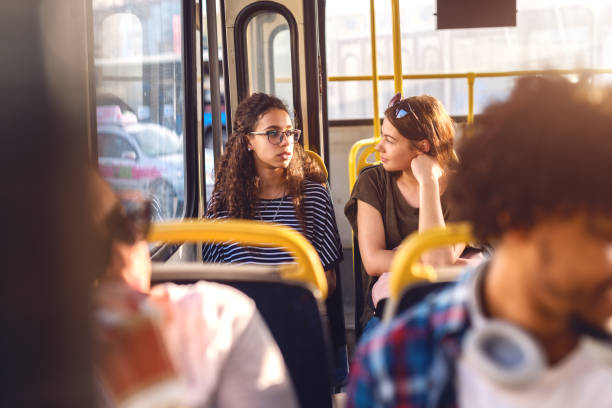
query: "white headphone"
507, 354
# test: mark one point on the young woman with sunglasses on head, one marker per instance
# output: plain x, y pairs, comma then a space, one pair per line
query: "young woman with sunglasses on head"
405, 193
266, 175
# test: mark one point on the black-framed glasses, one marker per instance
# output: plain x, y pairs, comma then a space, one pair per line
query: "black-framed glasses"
130, 220
276, 136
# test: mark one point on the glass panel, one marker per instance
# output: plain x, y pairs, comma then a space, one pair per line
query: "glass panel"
269, 56
139, 88
562, 34
356, 96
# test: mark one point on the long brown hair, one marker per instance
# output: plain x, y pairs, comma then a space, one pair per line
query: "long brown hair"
424, 117
237, 182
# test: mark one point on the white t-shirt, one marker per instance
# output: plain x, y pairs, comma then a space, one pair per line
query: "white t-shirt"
222, 348
578, 381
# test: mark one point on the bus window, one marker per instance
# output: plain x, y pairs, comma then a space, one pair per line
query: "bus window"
564, 34
269, 56
140, 99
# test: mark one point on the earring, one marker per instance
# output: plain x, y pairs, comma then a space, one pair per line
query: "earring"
249, 148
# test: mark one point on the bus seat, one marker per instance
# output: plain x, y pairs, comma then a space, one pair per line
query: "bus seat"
407, 271
358, 155
360, 280
291, 311
319, 160
335, 307
415, 293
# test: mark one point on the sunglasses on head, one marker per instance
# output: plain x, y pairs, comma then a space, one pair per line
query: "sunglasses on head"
400, 112
129, 221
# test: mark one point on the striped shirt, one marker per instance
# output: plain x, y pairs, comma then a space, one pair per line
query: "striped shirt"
321, 230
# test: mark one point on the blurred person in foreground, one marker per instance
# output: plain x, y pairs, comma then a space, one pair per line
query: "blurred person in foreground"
214, 343
531, 326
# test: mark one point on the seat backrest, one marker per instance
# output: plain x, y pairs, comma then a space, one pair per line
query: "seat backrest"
334, 305
319, 160
360, 280
417, 292
360, 286
291, 311
358, 155
406, 268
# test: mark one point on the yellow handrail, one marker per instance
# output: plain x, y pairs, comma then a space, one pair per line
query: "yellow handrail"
397, 46
375, 117
307, 269
353, 158
471, 77
406, 268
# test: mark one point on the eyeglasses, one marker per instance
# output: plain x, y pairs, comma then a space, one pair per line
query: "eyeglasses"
129, 221
276, 136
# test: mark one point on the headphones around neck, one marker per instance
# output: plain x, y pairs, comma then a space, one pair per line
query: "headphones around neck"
510, 356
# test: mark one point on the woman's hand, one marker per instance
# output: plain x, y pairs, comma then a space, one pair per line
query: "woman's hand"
426, 168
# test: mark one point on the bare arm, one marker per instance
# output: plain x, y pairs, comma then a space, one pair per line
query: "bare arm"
428, 173
371, 235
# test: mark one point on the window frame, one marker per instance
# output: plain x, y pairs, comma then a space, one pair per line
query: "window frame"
242, 21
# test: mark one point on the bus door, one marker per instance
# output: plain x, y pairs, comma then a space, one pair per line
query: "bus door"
275, 47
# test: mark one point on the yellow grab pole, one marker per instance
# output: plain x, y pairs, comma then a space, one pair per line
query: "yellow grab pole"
374, 70
397, 46
470, 78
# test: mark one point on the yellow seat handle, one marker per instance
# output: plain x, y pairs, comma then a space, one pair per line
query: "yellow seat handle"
308, 266
406, 268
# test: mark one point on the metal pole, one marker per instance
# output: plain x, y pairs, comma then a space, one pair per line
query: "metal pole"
374, 70
470, 78
215, 93
397, 46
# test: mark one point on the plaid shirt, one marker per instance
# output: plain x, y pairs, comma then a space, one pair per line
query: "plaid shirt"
410, 363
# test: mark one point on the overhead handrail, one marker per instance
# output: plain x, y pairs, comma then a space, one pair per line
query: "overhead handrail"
307, 268
406, 268
471, 79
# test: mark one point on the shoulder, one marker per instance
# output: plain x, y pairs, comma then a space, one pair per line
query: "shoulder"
376, 173
371, 183
315, 191
216, 306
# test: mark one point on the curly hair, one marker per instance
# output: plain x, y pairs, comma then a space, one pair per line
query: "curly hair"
427, 119
546, 151
237, 182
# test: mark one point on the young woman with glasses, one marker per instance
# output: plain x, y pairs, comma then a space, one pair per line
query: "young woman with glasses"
405, 193
266, 175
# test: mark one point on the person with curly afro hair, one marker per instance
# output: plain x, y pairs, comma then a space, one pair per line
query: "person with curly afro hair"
532, 325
